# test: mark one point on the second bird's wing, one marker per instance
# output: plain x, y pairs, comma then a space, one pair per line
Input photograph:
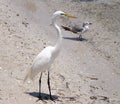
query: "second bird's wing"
77, 28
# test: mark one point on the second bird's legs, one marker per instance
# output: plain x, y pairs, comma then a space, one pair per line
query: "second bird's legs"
80, 36
40, 95
49, 85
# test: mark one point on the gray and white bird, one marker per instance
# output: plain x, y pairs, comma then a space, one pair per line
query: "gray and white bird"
78, 29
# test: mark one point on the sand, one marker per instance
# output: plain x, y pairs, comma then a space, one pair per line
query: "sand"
85, 72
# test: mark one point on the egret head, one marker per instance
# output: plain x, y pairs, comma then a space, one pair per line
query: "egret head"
61, 13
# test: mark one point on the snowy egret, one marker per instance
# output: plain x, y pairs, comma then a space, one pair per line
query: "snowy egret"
46, 57
78, 29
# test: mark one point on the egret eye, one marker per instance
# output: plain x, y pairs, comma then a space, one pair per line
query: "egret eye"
62, 14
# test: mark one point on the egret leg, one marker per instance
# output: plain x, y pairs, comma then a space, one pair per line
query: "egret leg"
49, 85
40, 96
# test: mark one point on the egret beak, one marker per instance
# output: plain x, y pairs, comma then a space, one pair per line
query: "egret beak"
69, 16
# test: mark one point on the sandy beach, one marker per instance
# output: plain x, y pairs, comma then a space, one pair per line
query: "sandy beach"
85, 72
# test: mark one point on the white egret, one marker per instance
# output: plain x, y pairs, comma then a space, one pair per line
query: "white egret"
46, 57
78, 29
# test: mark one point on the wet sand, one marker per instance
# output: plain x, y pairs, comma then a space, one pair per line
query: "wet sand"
85, 72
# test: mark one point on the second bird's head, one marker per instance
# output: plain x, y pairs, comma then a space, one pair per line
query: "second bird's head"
61, 13
86, 23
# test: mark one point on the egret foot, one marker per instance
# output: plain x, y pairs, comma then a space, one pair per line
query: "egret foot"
52, 99
40, 97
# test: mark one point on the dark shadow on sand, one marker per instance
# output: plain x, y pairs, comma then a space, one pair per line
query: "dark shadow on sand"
84, 0
87, 0
75, 39
44, 95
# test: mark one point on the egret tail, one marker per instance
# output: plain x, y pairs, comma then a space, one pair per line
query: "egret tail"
28, 75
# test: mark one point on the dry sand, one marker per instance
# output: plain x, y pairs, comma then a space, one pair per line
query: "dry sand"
85, 72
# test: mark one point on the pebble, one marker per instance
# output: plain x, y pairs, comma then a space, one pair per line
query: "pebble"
1, 68
30, 98
28, 82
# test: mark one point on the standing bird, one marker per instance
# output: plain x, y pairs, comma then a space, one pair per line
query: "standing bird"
46, 57
78, 29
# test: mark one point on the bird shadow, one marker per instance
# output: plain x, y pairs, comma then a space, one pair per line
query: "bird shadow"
84, 0
87, 0
75, 39
44, 95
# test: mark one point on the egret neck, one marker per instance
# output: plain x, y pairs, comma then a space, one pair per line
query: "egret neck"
59, 35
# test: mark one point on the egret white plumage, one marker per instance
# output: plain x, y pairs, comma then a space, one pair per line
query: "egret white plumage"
46, 57
78, 29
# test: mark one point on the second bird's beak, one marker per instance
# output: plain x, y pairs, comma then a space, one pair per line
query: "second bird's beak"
69, 16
